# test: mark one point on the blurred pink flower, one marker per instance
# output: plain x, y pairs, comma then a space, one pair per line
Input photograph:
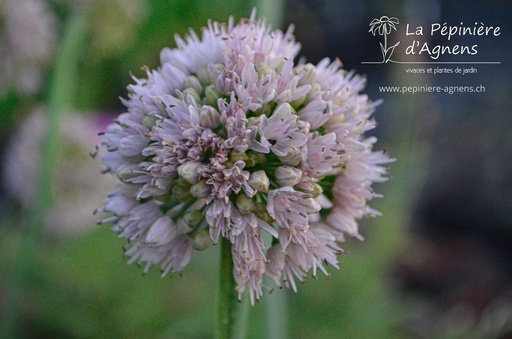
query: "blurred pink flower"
76, 187
28, 39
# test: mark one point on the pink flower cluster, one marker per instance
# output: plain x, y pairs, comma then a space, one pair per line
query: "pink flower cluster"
229, 138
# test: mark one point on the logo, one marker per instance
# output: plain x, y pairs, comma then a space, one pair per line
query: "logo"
384, 26
423, 37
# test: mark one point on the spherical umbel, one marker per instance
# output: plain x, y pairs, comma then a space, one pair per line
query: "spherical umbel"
229, 138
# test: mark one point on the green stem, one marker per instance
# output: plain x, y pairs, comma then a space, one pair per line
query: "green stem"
272, 10
276, 315
59, 100
231, 312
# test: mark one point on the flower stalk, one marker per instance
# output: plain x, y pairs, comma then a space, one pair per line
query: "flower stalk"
232, 313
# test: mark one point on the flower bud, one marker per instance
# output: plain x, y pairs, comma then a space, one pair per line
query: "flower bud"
304, 126
191, 93
288, 176
189, 171
266, 109
236, 155
308, 75
264, 70
291, 158
149, 120
261, 212
181, 191
161, 232
192, 218
298, 102
317, 190
255, 158
279, 66
193, 82
266, 217
212, 94
209, 117
245, 204
259, 181
200, 190
260, 158
131, 190
201, 240
315, 88
163, 197
250, 162
311, 205
203, 75
126, 172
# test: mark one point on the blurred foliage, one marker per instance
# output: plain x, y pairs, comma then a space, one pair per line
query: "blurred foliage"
82, 288
108, 75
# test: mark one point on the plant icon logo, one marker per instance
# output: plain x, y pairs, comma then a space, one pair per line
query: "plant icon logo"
384, 26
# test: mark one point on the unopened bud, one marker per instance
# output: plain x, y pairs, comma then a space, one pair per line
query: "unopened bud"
127, 171
193, 82
279, 67
255, 158
202, 240
260, 158
236, 155
288, 176
200, 190
250, 162
261, 212
192, 218
212, 94
163, 197
209, 117
308, 75
291, 158
317, 190
264, 70
311, 205
161, 232
266, 109
245, 204
315, 88
203, 75
266, 217
191, 93
149, 120
189, 171
304, 126
181, 191
259, 181
298, 102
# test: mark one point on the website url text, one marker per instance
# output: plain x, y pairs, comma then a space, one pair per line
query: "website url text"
432, 89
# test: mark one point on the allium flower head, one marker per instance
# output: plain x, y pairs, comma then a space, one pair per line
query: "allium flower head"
229, 138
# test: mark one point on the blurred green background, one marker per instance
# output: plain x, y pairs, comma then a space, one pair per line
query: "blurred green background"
436, 264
